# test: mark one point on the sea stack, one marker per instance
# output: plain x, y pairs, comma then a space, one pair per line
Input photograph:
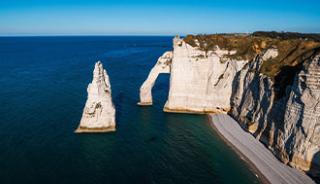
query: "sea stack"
99, 112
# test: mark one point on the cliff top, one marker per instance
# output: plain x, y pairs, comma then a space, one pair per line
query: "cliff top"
293, 48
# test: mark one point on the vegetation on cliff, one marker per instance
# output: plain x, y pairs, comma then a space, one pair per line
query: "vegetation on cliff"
293, 48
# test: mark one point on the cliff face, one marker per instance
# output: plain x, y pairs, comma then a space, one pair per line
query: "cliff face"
98, 113
287, 120
301, 134
270, 83
300, 140
199, 80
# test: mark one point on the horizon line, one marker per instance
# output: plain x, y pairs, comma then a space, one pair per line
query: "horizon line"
138, 34
93, 35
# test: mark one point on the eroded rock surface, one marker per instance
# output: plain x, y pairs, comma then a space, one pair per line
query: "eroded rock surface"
200, 80
196, 77
285, 118
300, 140
99, 112
163, 65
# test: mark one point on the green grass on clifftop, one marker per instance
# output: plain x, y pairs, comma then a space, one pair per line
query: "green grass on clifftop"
293, 48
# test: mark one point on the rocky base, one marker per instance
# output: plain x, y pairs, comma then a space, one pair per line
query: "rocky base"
195, 111
95, 130
144, 103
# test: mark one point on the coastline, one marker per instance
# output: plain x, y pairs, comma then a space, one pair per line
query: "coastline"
194, 111
259, 159
252, 167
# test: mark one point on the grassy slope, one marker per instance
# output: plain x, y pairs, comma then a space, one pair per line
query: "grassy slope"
294, 48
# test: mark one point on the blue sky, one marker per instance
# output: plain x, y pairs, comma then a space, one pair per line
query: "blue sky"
157, 17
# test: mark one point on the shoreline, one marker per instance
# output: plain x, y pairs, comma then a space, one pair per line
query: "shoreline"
251, 166
260, 160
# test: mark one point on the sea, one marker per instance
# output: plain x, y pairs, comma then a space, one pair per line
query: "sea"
43, 89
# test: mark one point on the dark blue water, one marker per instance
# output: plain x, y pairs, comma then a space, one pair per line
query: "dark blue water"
43, 83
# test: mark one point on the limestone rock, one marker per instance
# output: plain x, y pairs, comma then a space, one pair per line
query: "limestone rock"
200, 81
270, 53
289, 124
301, 137
163, 65
99, 112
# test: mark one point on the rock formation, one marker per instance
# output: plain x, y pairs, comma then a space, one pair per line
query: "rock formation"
300, 139
199, 81
162, 66
194, 77
283, 113
268, 82
98, 113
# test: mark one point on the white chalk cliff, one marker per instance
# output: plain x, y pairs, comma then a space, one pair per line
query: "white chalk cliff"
99, 112
196, 77
198, 80
301, 136
279, 103
288, 122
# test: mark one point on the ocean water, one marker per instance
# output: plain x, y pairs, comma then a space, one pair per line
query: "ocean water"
43, 83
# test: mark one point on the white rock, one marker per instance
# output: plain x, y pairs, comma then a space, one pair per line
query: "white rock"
270, 54
99, 112
163, 65
301, 137
199, 81
289, 126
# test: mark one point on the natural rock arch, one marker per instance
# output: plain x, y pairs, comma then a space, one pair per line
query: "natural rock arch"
163, 65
